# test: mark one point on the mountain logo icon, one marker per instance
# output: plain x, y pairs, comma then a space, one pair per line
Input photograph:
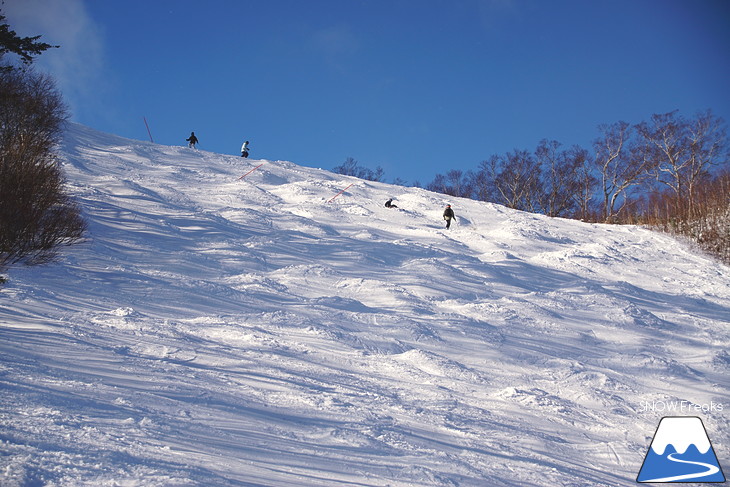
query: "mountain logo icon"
680, 452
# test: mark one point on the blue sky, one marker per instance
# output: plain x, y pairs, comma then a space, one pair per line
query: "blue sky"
417, 87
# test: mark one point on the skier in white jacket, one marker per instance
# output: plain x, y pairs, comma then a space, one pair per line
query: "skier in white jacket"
244, 149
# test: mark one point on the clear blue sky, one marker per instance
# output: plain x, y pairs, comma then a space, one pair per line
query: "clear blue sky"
415, 86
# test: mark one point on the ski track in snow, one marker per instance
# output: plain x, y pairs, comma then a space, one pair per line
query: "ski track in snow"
213, 331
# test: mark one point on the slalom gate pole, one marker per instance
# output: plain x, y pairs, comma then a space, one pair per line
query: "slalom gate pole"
252, 170
148, 129
335, 196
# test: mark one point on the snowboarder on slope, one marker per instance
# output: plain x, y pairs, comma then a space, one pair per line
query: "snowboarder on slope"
448, 215
389, 204
192, 139
244, 149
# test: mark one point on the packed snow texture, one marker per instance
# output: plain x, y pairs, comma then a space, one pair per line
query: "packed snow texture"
217, 331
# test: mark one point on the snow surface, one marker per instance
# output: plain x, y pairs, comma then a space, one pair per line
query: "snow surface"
222, 332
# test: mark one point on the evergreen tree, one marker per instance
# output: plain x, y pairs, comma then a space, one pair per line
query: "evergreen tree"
24, 47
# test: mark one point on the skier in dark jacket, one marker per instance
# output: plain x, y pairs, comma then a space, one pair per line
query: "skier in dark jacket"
448, 216
389, 204
192, 139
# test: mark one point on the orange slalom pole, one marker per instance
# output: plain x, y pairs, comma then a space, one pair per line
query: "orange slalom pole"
335, 196
252, 170
148, 129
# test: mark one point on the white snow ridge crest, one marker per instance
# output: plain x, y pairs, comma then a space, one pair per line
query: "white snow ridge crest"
217, 331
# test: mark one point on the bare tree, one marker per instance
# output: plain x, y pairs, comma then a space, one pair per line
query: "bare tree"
620, 165
518, 181
587, 183
683, 152
460, 182
352, 168
453, 183
561, 183
665, 142
36, 215
438, 185
482, 180
708, 148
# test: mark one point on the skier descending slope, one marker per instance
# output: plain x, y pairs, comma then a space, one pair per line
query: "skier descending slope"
448, 216
192, 139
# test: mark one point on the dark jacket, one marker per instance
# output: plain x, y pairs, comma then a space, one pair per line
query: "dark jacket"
449, 214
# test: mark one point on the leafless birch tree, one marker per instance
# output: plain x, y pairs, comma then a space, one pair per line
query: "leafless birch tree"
620, 165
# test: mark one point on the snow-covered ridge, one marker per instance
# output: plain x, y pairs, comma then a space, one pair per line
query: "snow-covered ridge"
224, 331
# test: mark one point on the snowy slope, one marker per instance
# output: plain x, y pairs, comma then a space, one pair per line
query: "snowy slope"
222, 332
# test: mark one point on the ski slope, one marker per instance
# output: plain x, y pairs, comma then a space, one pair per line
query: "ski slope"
213, 331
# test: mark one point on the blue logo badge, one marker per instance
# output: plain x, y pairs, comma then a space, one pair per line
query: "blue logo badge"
680, 452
